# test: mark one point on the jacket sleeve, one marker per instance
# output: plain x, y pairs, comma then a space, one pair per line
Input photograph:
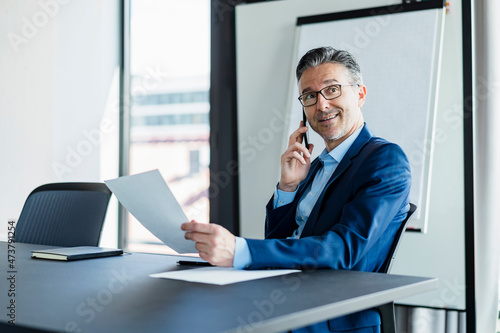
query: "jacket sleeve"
280, 221
380, 195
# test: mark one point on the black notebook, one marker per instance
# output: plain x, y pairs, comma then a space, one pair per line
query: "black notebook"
75, 253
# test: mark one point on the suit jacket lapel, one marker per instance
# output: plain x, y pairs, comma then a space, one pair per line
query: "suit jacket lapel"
359, 143
364, 136
287, 226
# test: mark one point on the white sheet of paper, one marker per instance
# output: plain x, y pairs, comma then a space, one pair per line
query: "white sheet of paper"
221, 275
147, 197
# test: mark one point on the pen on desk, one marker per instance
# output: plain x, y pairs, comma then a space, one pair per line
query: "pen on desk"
194, 263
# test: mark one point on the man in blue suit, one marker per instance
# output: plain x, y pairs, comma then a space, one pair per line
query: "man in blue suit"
340, 211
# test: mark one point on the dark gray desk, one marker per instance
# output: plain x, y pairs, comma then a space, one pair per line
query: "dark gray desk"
116, 294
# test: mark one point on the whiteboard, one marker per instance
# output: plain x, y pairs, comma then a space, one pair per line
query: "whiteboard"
399, 56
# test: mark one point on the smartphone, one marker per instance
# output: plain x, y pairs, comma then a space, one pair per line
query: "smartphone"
193, 263
304, 123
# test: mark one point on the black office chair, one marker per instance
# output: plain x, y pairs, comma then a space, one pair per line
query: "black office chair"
387, 310
64, 214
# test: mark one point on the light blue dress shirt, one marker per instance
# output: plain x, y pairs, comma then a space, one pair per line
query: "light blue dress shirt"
330, 161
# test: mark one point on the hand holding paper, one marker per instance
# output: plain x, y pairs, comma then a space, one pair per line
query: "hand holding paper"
148, 198
214, 242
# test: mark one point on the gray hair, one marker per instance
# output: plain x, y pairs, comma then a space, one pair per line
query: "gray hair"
323, 55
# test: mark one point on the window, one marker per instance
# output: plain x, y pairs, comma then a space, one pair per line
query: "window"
170, 78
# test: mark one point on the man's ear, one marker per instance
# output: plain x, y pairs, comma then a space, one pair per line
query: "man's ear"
361, 95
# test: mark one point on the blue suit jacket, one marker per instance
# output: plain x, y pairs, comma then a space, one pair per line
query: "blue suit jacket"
353, 224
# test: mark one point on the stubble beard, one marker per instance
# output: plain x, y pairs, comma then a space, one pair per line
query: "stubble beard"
339, 131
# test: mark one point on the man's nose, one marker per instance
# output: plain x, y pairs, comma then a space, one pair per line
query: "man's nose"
322, 103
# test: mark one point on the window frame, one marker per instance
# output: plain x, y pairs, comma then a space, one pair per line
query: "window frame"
223, 190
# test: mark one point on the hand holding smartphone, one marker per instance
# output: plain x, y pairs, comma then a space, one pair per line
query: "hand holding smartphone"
305, 135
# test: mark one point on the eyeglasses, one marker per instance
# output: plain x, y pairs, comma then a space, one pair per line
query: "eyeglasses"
330, 92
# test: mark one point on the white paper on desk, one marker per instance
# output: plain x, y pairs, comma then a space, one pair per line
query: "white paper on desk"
148, 198
221, 275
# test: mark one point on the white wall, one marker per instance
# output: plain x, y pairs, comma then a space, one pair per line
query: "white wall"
58, 98
487, 162
264, 53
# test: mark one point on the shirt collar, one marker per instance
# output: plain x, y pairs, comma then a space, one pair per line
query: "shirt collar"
338, 152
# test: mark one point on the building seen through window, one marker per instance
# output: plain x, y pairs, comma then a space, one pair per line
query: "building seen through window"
170, 81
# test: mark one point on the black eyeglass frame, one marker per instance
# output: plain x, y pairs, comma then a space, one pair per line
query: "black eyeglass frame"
321, 92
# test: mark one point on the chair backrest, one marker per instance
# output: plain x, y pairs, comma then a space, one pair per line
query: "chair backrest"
386, 268
64, 214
